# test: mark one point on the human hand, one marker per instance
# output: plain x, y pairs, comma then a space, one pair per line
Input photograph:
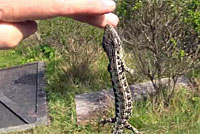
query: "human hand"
17, 16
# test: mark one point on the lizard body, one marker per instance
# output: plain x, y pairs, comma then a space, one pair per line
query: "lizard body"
122, 93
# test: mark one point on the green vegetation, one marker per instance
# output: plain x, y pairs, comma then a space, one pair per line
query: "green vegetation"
9, 58
76, 63
193, 14
162, 42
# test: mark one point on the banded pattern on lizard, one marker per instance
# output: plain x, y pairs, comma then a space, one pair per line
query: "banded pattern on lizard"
122, 93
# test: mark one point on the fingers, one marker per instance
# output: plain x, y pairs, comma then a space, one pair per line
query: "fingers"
23, 10
12, 33
86, 7
99, 20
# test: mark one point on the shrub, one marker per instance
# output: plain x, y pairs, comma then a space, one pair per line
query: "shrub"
193, 14
162, 43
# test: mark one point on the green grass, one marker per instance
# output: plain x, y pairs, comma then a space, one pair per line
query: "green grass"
9, 58
66, 78
181, 117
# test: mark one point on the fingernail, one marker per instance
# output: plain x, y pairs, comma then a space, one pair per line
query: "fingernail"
109, 3
112, 19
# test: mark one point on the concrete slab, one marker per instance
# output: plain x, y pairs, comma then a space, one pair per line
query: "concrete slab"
22, 97
90, 106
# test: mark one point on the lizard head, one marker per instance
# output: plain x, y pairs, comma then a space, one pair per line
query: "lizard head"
111, 40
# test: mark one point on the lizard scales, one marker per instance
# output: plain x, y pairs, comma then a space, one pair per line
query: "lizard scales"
122, 93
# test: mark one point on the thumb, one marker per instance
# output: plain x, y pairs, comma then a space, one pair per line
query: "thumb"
11, 34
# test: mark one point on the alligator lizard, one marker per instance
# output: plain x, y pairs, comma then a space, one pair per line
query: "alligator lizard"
122, 93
